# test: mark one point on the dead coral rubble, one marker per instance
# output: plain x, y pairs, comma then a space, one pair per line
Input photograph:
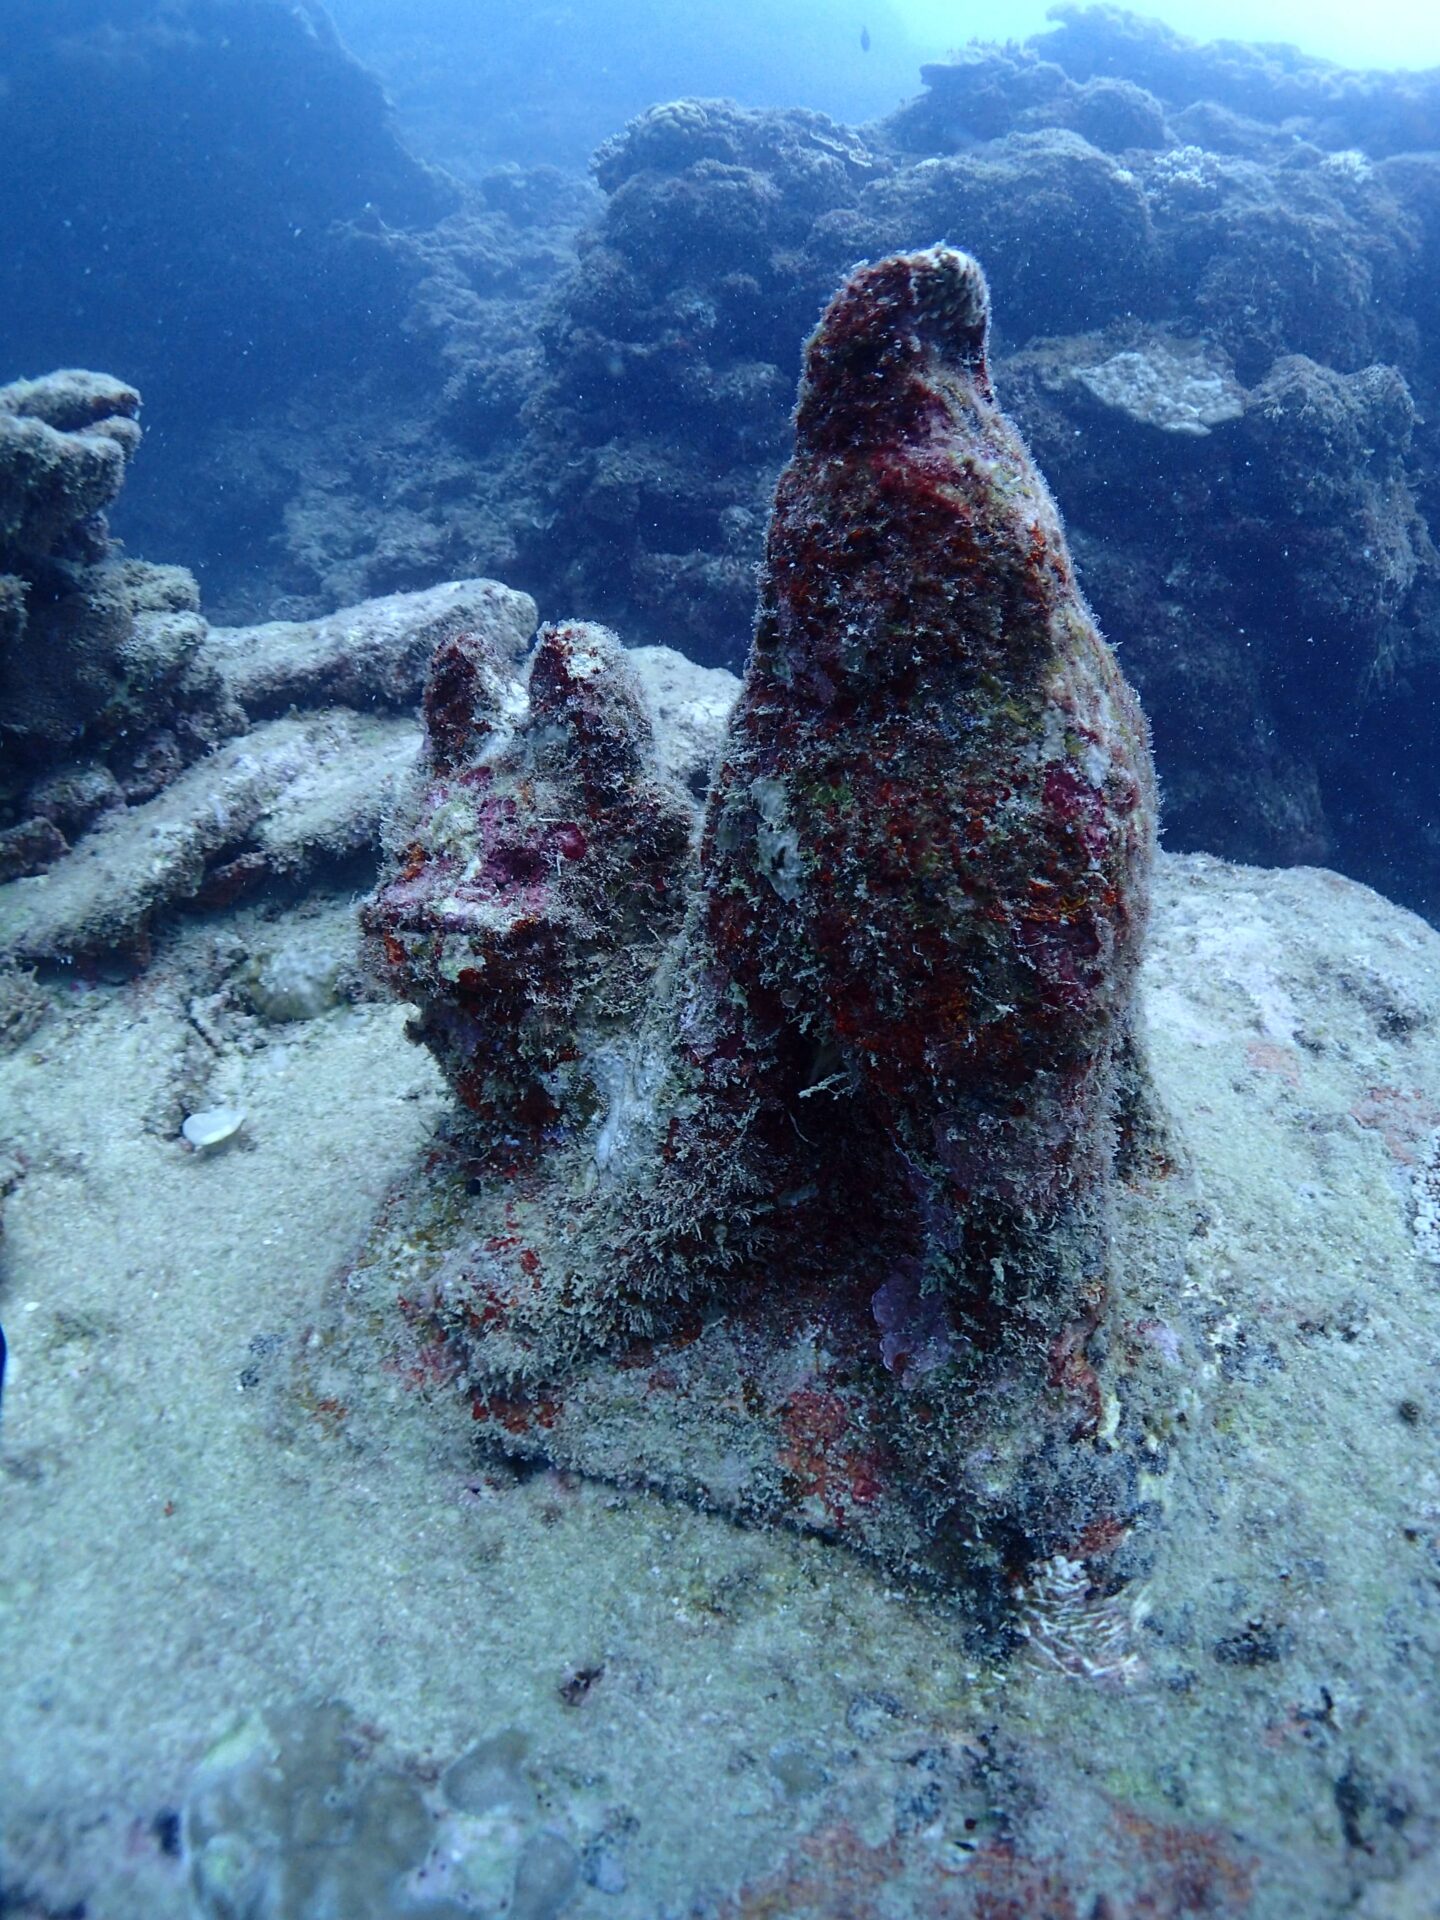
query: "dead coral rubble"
835, 1169
325, 745
324, 739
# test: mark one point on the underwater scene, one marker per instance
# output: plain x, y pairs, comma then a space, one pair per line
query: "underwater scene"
719, 960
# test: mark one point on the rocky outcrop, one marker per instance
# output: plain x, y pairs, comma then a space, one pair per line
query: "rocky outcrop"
322, 755
874, 1036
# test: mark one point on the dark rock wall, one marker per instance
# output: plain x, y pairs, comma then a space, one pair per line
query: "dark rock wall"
210, 195
171, 175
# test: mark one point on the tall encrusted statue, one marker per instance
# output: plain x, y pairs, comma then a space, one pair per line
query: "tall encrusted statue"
816, 1125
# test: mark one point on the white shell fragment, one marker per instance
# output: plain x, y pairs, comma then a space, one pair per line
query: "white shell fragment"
212, 1128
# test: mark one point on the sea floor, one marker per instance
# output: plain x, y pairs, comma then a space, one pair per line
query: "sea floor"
277, 1640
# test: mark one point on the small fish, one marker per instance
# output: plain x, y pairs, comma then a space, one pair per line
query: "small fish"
864, 39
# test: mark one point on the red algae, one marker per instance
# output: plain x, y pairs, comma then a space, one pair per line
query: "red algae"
927, 852
792, 1157
509, 923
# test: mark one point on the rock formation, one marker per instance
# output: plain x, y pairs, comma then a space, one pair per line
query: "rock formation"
849, 1135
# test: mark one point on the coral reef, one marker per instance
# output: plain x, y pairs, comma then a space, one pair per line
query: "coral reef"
1381, 112
862, 1109
605, 431
104, 692
647, 331
1221, 251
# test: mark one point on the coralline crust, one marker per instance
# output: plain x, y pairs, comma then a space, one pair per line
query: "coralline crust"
805, 1208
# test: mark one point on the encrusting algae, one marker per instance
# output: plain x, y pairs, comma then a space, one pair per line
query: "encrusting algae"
785, 1181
